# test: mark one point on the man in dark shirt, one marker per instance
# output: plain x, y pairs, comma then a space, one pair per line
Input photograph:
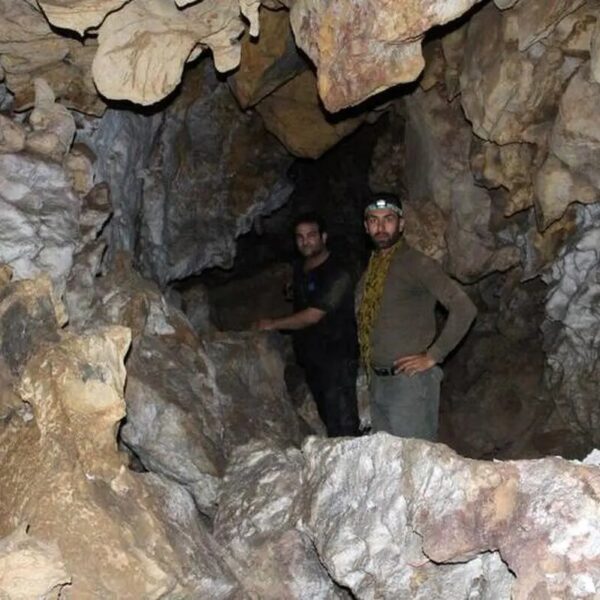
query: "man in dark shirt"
324, 327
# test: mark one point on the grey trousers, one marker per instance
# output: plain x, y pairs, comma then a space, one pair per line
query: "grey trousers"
406, 406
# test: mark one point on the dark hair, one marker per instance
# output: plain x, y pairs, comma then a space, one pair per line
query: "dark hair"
310, 217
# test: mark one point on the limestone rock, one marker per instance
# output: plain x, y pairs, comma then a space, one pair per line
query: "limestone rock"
255, 523
453, 47
571, 328
535, 21
509, 166
131, 62
12, 136
204, 561
576, 134
30, 568
122, 142
190, 219
268, 62
166, 174
595, 53
79, 165
508, 95
421, 521
367, 47
438, 141
556, 188
53, 125
174, 424
294, 115
123, 297
62, 467
388, 161
77, 15
40, 214
196, 306
568, 174
30, 49
254, 404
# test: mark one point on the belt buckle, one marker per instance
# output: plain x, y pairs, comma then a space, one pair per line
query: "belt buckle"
384, 371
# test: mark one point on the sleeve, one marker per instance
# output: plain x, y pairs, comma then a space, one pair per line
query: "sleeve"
332, 292
461, 310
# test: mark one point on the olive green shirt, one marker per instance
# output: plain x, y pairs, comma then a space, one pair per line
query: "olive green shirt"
405, 323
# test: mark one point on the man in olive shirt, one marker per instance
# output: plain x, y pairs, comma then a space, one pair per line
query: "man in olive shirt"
324, 327
397, 325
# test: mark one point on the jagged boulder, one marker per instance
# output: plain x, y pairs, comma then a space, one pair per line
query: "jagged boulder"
395, 518
62, 476
255, 523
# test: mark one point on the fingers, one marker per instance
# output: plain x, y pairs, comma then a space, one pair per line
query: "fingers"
415, 363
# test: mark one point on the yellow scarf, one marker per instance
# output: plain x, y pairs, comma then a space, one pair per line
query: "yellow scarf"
372, 292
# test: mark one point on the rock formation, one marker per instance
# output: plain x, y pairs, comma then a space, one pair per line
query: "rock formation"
167, 171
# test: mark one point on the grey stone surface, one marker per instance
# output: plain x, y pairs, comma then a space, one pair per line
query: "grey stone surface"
572, 328
205, 568
39, 229
255, 523
188, 180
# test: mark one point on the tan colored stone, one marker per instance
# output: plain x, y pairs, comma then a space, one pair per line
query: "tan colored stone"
267, 62
573, 33
425, 229
367, 46
435, 65
536, 20
78, 15
438, 140
52, 123
556, 187
30, 568
510, 167
69, 483
30, 49
294, 114
79, 165
12, 136
510, 96
453, 47
575, 137
595, 52
145, 45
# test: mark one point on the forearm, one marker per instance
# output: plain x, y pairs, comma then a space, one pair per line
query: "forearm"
299, 320
460, 317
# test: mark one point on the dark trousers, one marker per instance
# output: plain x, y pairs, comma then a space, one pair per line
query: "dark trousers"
332, 383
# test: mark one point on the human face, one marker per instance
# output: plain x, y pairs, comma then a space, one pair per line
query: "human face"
384, 226
309, 241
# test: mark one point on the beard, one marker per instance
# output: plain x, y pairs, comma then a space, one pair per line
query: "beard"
383, 241
310, 251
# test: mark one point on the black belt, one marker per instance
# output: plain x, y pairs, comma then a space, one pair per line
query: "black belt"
384, 371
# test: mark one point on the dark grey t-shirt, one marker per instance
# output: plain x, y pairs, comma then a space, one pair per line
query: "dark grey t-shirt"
405, 323
328, 287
